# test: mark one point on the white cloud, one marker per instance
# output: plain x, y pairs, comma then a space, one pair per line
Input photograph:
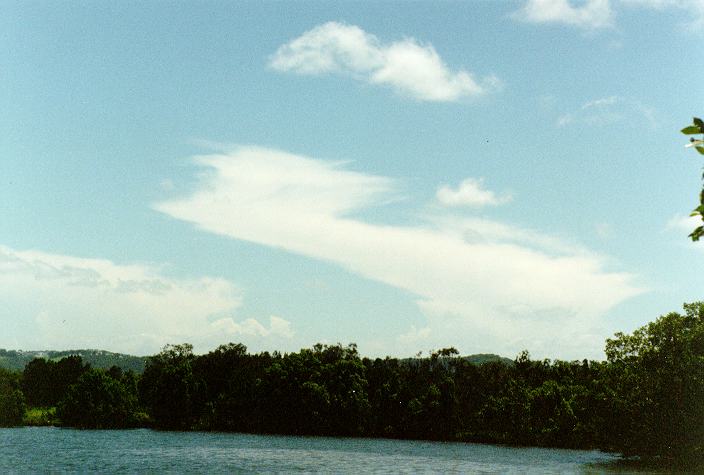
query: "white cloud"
469, 288
414, 335
590, 15
411, 68
684, 225
53, 301
610, 110
250, 327
598, 14
470, 192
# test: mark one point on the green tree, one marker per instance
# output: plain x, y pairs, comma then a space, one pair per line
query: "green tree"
697, 128
659, 384
45, 382
11, 399
98, 401
169, 389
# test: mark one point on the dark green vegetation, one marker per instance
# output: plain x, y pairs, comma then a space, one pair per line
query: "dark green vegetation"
16, 360
11, 399
646, 399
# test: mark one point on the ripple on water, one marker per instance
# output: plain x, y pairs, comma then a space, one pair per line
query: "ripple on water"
140, 450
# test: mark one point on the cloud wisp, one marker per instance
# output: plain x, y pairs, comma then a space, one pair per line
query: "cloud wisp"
53, 301
470, 193
591, 15
410, 68
609, 110
478, 282
684, 225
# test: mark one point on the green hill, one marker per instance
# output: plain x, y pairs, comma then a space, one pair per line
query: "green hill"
16, 359
477, 359
482, 358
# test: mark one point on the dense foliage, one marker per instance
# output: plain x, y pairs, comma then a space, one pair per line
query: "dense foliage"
11, 399
45, 383
658, 378
646, 399
100, 400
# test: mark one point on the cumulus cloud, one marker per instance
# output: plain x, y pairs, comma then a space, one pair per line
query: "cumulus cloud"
53, 301
483, 282
470, 192
410, 68
590, 15
251, 327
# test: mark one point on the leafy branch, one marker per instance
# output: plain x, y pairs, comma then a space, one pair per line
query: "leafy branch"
697, 128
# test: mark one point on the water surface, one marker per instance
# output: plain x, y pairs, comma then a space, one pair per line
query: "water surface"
48, 449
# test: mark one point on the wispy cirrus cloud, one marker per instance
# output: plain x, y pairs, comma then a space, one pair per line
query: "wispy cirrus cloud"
481, 284
54, 301
409, 67
471, 193
610, 110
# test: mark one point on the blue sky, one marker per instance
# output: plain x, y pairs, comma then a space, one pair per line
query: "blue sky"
494, 176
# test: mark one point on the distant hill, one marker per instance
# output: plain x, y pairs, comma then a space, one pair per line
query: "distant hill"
16, 359
477, 359
482, 358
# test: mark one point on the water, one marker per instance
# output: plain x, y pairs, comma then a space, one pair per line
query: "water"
48, 449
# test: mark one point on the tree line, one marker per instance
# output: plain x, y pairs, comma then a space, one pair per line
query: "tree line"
646, 399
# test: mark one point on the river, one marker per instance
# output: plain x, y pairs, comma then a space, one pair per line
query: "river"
48, 449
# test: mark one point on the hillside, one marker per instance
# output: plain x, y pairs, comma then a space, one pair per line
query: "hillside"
482, 358
17, 359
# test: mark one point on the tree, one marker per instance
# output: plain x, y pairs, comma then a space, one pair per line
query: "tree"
697, 128
45, 382
169, 389
11, 399
98, 401
659, 385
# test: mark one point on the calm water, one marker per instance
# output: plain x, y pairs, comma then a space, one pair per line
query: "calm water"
48, 449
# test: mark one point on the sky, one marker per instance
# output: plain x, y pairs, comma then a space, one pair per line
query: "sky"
407, 176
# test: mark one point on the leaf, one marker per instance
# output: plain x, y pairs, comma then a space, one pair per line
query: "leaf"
691, 130
700, 149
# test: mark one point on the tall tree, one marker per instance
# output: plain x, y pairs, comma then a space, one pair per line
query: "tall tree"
170, 390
